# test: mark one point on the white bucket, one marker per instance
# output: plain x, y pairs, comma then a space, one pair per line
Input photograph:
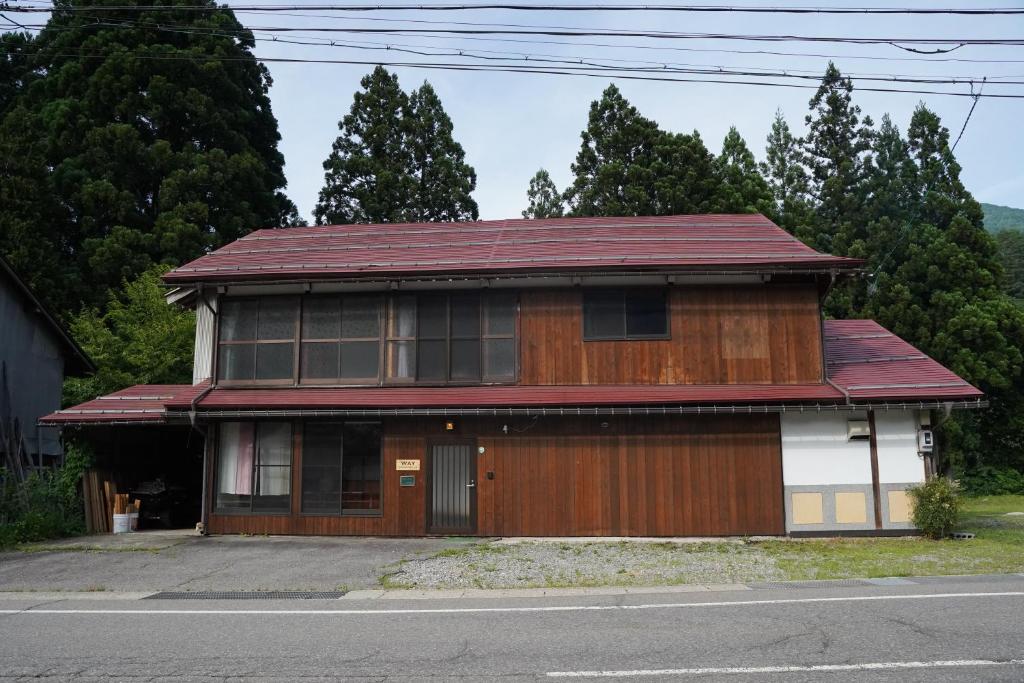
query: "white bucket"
122, 524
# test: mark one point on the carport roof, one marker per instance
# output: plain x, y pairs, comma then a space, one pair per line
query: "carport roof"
866, 365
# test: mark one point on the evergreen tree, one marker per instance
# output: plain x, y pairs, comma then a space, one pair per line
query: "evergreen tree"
836, 153
369, 176
445, 180
627, 166
786, 177
1010, 244
15, 70
135, 145
545, 200
396, 160
939, 286
742, 189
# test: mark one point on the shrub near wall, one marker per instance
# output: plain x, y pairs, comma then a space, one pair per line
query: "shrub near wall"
937, 506
46, 505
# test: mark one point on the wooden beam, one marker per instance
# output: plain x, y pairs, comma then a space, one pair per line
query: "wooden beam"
876, 487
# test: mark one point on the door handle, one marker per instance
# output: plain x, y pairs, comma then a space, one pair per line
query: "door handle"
471, 485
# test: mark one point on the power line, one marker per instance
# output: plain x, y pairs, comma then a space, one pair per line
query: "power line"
968, 119
567, 7
651, 67
518, 69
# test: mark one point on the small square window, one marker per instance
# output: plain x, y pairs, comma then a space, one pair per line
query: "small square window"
625, 314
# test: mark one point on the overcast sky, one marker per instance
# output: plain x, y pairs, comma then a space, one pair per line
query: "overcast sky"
512, 124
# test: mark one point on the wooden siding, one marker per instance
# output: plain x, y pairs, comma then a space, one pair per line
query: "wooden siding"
699, 475
740, 334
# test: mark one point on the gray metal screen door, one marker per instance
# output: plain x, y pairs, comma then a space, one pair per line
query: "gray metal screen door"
452, 505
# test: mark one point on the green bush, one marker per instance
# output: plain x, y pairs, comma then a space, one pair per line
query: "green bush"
46, 505
937, 505
992, 481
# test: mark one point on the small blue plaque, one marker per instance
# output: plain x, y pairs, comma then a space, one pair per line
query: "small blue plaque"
407, 480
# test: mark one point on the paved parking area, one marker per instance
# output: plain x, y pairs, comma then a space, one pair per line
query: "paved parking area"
184, 561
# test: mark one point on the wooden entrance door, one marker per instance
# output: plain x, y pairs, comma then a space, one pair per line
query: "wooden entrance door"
452, 503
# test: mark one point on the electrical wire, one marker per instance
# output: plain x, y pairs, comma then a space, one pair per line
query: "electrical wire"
569, 7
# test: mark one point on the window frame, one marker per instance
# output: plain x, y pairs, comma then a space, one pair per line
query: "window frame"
624, 292
256, 342
342, 512
251, 511
381, 302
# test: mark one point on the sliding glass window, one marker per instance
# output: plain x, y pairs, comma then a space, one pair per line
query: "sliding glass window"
341, 468
341, 340
257, 340
254, 465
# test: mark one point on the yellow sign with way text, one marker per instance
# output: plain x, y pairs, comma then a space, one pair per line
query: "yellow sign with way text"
407, 464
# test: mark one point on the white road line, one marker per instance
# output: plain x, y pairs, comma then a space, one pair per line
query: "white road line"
761, 670
550, 608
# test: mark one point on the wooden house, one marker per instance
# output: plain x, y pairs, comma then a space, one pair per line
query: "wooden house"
651, 376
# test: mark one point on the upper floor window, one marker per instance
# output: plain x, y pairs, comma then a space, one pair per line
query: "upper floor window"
432, 338
340, 339
257, 339
610, 314
453, 338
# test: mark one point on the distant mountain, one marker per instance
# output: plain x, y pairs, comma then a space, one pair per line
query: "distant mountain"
1002, 217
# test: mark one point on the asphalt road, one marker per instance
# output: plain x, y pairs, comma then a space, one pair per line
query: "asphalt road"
938, 630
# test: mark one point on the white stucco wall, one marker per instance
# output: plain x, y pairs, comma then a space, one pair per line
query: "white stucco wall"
898, 459
815, 450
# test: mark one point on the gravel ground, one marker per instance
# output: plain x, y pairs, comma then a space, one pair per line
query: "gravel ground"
552, 564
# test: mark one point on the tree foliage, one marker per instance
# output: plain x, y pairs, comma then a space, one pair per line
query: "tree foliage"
742, 188
138, 339
133, 145
396, 160
786, 176
544, 198
1010, 245
628, 166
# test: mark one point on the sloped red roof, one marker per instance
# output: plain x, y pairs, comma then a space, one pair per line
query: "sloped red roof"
869, 362
865, 363
499, 396
142, 403
724, 241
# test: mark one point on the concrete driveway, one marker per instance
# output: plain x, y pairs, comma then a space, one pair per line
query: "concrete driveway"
183, 561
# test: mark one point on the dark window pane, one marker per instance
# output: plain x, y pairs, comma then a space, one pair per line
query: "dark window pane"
501, 313
237, 320
401, 360
236, 361
465, 316
235, 453
320, 360
603, 315
277, 318
360, 318
321, 318
646, 314
359, 360
362, 468
321, 468
274, 361
499, 358
430, 359
433, 317
403, 316
466, 359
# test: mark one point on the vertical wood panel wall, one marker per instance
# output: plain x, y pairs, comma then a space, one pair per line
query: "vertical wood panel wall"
740, 334
698, 475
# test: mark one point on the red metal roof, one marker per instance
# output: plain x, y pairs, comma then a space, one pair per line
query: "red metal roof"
499, 396
142, 403
702, 242
864, 361
871, 363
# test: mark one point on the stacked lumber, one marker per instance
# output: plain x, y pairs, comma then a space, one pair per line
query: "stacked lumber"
98, 490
